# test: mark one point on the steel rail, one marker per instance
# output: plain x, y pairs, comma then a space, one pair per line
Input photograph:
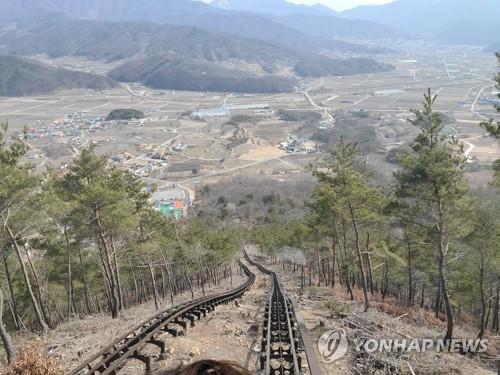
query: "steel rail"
284, 335
110, 359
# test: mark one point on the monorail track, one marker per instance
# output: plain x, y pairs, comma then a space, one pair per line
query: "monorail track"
113, 357
285, 340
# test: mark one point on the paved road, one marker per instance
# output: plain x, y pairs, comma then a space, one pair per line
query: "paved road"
474, 103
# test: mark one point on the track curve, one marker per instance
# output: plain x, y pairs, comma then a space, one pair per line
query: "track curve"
114, 356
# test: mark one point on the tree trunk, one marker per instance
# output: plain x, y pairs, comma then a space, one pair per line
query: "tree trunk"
302, 277
487, 319
422, 297
334, 260
15, 311
438, 299
134, 280
410, 274
27, 281
38, 285
360, 258
163, 285
86, 293
143, 287
481, 293
369, 261
446, 297
70, 283
4, 335
153, 283
495, 325
117, 275
108, 268
179, 245
318, 259
169, 277
442, 252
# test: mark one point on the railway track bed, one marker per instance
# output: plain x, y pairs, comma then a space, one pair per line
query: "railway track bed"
286, 347
267, 335
175, 321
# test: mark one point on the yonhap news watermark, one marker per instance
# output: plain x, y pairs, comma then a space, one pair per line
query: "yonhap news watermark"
333, 345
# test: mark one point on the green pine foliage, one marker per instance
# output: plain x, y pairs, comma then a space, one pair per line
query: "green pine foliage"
90, 241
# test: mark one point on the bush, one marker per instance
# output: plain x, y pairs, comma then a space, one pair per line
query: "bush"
337, 309
33, 360
125, 114
299, 116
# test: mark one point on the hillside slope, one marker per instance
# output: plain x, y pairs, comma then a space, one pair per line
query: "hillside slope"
319, 66
180, 74
61, 36
19, 77
330, 27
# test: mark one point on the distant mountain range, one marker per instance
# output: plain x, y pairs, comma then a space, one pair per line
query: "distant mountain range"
276, 7
249, 18
448, 21
20, 77
336, 28
280, 22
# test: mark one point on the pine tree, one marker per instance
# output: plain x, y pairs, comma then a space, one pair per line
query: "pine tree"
101, 196
485, 255
359, 203
17, 186
431, 181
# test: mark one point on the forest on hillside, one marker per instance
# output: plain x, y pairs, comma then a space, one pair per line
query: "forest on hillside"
20, 77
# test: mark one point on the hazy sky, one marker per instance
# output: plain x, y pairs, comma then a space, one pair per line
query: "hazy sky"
342, 4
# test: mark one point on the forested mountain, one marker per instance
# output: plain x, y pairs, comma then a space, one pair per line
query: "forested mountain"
19, 76
331, 27
277, 7
319, 66
266, 29
147, 44
111, 10
182, 74
456, 21
61, 36
192, 13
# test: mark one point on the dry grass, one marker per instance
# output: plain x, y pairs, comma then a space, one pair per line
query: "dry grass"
33, 360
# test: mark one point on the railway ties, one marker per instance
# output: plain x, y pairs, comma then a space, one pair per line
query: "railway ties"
285, 340
130, 346
280, 337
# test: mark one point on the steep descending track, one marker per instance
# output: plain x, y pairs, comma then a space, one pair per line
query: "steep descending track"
113, 357
285, 340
